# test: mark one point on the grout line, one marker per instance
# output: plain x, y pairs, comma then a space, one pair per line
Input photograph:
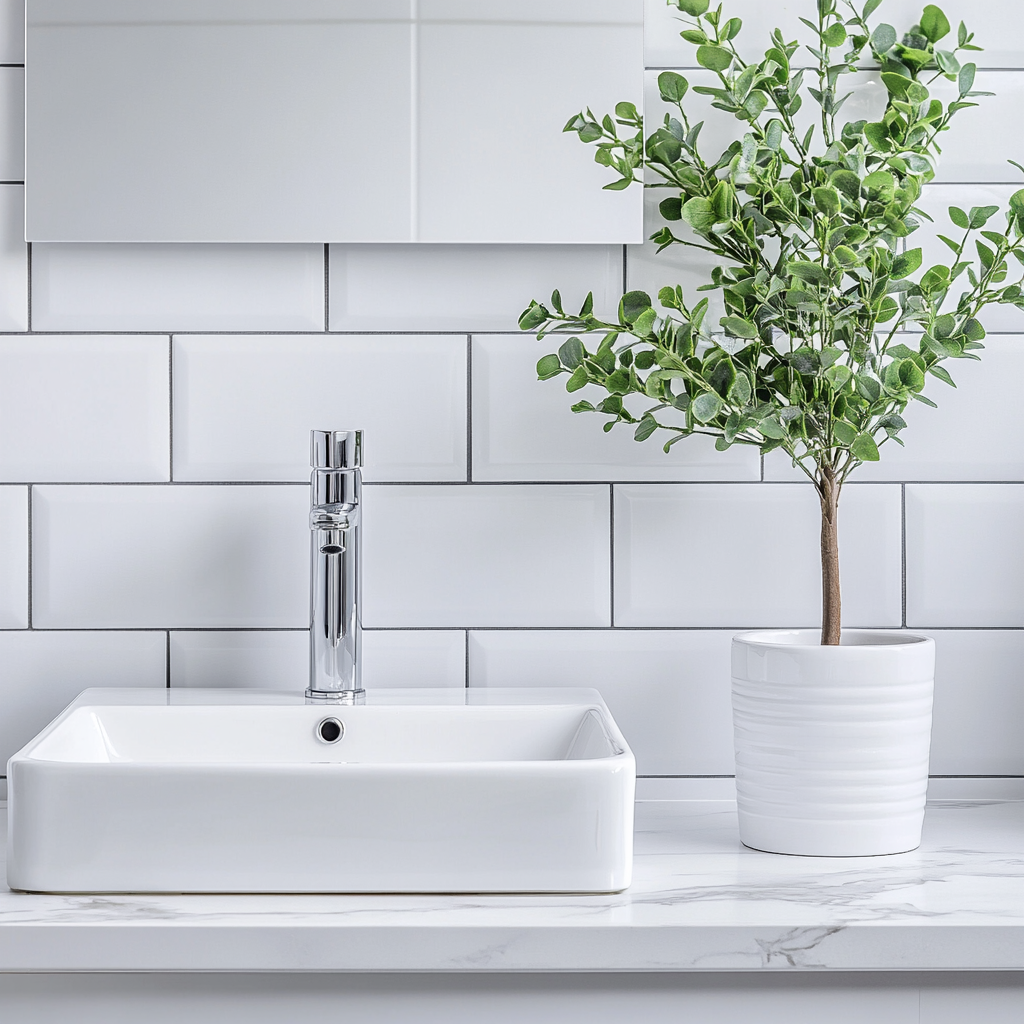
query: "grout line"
414, 121
469, 409
30, 557
412, 330
10, 181
327, 286
508, 483
511, 629
611, 555
465, 635
903, 552
167, 658
170, 409
28, 298
625, 272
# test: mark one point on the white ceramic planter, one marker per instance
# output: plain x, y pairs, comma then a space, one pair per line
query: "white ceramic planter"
832, 742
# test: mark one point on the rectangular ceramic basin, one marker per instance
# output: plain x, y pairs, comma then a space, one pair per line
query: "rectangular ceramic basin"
236, 791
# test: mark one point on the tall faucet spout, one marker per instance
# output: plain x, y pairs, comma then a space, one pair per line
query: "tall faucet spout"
335, 627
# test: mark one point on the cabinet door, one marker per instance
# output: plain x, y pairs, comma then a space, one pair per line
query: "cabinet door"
325, 120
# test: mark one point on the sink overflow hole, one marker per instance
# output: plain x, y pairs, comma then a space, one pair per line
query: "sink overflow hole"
330, 730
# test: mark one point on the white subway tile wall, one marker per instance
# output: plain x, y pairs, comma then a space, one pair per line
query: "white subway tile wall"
12, 31
243, 405
84, 408
508, 542
12, 124
13, 259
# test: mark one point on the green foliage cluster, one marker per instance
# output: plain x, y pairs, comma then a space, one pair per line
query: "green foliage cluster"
833, 324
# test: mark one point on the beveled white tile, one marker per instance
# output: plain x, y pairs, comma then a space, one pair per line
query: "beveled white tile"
41, 672
414, 658
84, 408
667, 690
485, 556
153, 287
464, 287
977, 146
170, 556
263, 660
978, 717
965, 554
12, 31
13, 558
279, 660
12, 124
971, 436
523, 429
748, 555
550, 187
935, 201
993, 999
13, 260
244, 406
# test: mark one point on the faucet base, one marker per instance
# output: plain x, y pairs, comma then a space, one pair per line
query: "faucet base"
349, 697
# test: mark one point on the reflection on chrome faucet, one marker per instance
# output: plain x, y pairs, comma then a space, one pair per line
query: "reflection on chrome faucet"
335, 591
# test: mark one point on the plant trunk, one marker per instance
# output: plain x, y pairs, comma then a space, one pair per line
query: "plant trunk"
831, 601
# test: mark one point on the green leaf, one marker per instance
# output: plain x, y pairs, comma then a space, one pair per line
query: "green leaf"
548, 367
695, 8
834, 35
618, 186
671, 208
582, 407
911, 375
721, 444
643, 323
980, 214
942, 373
883, 39
706, 407
773, 135
864, 448
738, 327
672, 86
844, 432
627, 111
1017, 202
533, 317
826, 200
847, 182
877, 134
882, 183
648, 425
571, 353
906, 263
934, 24
838, 376
718, 58
632, 305
578, 380
965, 80
699, 214
868, 387
807, 271
959, 218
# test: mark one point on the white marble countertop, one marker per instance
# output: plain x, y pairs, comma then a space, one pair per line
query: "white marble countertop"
699, 902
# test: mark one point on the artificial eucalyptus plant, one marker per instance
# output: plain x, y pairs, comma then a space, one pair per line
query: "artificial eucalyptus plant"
809, 222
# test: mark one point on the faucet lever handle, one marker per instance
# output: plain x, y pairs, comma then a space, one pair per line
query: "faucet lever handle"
336, 449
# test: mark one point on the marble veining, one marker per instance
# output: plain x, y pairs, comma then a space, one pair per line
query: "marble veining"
700, 901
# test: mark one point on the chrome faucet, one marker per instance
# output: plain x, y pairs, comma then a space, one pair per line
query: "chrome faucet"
335, 592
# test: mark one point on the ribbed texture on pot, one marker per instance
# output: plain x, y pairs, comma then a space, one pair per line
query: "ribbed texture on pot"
832, 742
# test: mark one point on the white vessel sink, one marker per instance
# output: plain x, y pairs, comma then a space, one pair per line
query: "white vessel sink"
234, 791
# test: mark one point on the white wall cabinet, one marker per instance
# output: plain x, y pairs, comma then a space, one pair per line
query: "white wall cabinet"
325, 120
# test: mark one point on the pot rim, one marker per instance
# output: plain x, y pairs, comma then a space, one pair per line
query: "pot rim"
809, 639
